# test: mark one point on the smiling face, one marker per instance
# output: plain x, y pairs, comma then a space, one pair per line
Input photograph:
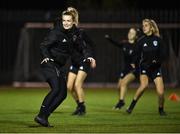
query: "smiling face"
67, 21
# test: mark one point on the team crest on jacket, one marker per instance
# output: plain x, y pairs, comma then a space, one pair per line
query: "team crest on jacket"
155, 43
74, 38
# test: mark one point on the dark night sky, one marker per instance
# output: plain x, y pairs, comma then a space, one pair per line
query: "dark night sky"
81, 4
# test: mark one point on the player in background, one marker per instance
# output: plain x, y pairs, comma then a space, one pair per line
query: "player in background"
151, 51
130, 70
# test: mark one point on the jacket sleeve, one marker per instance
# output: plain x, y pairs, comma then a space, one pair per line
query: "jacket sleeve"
49, 40
137, 53
114, 42
87, 45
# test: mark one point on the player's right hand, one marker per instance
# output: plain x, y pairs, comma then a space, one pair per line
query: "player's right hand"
46, 60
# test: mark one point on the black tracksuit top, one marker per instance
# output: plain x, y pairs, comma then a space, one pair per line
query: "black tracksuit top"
151, 51
60, 44
128, 51
83, 47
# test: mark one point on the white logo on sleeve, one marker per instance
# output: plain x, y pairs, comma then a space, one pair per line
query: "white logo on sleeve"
155, 43
145, 45
64, 40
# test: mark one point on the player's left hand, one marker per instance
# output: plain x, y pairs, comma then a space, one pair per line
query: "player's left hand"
92, 62
133, 65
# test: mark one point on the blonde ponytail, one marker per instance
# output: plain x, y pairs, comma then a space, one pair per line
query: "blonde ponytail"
75, 14
155, 29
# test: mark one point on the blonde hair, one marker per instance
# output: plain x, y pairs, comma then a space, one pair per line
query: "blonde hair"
75, 14
66, 12
155, 29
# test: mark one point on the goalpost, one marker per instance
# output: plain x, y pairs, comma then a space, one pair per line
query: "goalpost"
27, 70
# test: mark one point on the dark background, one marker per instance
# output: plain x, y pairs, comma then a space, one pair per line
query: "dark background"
87, 4
16, 64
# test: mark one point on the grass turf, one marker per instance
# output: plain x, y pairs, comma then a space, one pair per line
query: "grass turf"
19, 106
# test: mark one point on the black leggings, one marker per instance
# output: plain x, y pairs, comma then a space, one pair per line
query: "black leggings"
57, 93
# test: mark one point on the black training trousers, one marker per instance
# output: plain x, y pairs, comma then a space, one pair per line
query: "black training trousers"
57, 82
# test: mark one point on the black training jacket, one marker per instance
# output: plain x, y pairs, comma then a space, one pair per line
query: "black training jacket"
151, 51
83, 47
128, 51
59, 44
56, 46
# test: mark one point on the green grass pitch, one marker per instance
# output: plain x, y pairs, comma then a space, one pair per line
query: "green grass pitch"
18, 107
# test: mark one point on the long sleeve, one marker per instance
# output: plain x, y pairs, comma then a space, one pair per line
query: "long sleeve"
114, 42
86, 44
47, 44
137, 53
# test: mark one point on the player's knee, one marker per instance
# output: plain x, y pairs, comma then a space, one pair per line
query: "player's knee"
143, 85
160, 92
70, 87
123, 84
54, 92
77, 85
